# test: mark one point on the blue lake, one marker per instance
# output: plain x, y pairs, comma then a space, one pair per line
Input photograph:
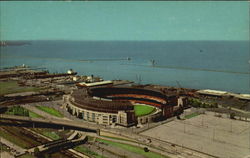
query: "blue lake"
221, 65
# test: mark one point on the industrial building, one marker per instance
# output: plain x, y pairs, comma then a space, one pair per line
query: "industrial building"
220, 94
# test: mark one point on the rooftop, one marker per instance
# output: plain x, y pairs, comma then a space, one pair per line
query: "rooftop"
212, 92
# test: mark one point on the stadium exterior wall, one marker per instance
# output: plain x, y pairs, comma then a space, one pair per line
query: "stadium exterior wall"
121, 117
115, 106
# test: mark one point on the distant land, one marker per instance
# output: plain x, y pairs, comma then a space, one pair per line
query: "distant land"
14, 43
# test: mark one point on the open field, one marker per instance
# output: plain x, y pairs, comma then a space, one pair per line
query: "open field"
51, 111
220, 137
13, 87
141, 110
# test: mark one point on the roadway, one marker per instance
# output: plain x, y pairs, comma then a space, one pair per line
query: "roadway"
51, 121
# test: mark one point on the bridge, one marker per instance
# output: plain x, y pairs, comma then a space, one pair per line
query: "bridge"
50, 122
60, 144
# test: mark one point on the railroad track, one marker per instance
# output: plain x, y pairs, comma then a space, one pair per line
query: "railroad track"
22, 134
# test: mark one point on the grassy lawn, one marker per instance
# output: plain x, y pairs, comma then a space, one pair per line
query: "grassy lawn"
191, 115
117, 138
87, 151
51, 111
132, 148
141, 110
34, 115
51, 135
13, 87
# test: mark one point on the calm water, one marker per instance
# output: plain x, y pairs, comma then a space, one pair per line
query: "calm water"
170, 58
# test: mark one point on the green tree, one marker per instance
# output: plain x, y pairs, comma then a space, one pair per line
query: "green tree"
232, 115
36, 151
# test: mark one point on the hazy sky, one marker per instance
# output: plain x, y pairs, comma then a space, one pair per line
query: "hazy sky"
124, 20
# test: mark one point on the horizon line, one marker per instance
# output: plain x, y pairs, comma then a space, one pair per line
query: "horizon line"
117, 40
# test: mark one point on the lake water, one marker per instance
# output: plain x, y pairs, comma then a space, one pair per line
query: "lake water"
221, 65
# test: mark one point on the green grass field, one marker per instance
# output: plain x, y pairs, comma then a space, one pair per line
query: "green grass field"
116, 138
141, 110
13, 87
34, 115
49, 110
132, 148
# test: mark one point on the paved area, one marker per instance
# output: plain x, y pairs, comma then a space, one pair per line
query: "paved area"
220, 137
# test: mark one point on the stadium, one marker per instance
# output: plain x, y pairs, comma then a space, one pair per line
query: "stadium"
125, 106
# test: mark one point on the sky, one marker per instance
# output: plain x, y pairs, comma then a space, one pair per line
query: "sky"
124, 20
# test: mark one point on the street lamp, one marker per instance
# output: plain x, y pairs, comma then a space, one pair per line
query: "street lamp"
213, 134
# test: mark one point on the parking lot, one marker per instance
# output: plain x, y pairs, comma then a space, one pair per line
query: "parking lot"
217, 136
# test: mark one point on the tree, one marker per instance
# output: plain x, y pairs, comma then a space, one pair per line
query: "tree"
36, 151
146, 149
232, 115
